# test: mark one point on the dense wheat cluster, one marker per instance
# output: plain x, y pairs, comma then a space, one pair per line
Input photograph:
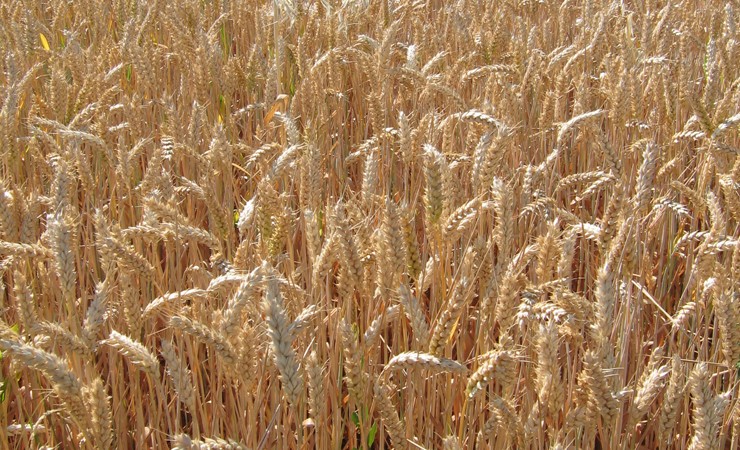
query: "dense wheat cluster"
369, 224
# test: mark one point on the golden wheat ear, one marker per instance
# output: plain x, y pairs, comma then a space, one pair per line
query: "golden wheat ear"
369, 224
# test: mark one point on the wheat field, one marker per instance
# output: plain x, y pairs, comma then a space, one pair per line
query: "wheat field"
409, 224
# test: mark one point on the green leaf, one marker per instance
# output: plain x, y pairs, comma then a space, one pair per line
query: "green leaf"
3, 389
355, 419
371, 435
224, 40
292, 85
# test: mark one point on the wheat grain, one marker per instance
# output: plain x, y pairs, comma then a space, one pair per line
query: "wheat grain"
136, 352
170, 297
66, 384
282, 341
224, 350
101, 418
498, 365
179, 375
708, 410
389, 416
671, 402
